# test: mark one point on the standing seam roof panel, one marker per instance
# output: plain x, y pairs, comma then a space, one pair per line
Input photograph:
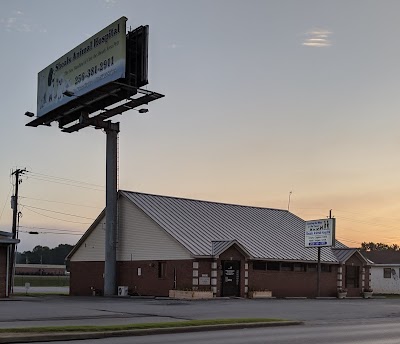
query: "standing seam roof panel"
263, 232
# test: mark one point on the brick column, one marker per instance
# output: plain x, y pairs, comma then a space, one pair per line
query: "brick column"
195, 275
340, 277
214, 275
246, 278
363, 278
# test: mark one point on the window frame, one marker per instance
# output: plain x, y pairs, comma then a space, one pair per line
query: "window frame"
162, 269
257, 264
385, 270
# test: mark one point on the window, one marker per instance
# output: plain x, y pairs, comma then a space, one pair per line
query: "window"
299, 267
274, 266
162, 269
259, 265
286, 267
326, 268
387, 273
311, 267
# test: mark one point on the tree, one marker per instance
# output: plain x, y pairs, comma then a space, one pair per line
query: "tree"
372, 246
45, 255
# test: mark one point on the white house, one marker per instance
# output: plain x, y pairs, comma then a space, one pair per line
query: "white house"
385, 271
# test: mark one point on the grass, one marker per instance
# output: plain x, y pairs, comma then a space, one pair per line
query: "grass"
40, 294
41, 281
388, 296
137, 326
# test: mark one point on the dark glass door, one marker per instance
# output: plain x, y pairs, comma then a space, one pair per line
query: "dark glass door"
231, 278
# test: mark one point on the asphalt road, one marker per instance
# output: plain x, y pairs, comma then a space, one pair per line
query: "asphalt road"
377, 331
65, 310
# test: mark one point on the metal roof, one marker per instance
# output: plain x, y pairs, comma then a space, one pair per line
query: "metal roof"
343, 254
6, 238
263, 232
383, 256
218, 247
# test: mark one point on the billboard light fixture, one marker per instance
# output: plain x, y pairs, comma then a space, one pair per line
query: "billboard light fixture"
29, 114
69, 93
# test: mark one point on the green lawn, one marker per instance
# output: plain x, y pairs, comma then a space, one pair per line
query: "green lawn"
41, 281
138, 326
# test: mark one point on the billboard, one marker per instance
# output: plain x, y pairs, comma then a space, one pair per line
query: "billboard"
92, 64
320, 233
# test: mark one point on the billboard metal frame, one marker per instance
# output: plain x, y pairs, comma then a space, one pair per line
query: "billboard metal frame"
97, 102
94, 109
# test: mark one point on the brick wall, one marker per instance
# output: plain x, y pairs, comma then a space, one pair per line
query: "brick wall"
149, 282
293, 283
142, 277
85, 275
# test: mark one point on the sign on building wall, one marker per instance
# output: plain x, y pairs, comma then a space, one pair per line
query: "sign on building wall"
204, 280
94, 63
320, 233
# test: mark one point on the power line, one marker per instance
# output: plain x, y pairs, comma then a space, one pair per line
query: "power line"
66, 179
53, 229
55, 218
8, 196
355, 213
368, 222
50, 233
57, 212
52, 201
348, 240
57, 182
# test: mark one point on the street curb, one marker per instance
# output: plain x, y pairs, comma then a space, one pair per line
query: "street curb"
49, 337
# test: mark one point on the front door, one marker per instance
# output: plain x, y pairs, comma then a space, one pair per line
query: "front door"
231, 278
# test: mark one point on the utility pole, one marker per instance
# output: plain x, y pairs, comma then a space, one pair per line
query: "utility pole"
14, 204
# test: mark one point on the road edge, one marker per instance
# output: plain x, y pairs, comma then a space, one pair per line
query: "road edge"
49, 337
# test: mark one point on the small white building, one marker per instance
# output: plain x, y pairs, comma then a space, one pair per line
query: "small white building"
385, 271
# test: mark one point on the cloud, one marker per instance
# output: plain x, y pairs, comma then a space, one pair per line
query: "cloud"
174, 45
12, 24
110, 3
318, 38
17, 22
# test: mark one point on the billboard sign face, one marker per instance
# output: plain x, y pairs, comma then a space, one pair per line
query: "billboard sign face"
320, 233
94, 63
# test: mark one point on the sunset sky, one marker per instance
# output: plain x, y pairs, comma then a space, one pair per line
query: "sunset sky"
262, 98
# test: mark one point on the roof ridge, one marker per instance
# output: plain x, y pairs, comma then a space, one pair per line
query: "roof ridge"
205, 201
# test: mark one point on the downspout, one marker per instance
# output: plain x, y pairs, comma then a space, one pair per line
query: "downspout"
8, 270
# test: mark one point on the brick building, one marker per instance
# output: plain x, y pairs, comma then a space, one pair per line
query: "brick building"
6, 243
166, 243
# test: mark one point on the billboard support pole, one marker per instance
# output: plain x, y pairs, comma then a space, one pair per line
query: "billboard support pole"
319, 273
110, 262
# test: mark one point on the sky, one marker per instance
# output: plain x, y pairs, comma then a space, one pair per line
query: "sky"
265, 102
